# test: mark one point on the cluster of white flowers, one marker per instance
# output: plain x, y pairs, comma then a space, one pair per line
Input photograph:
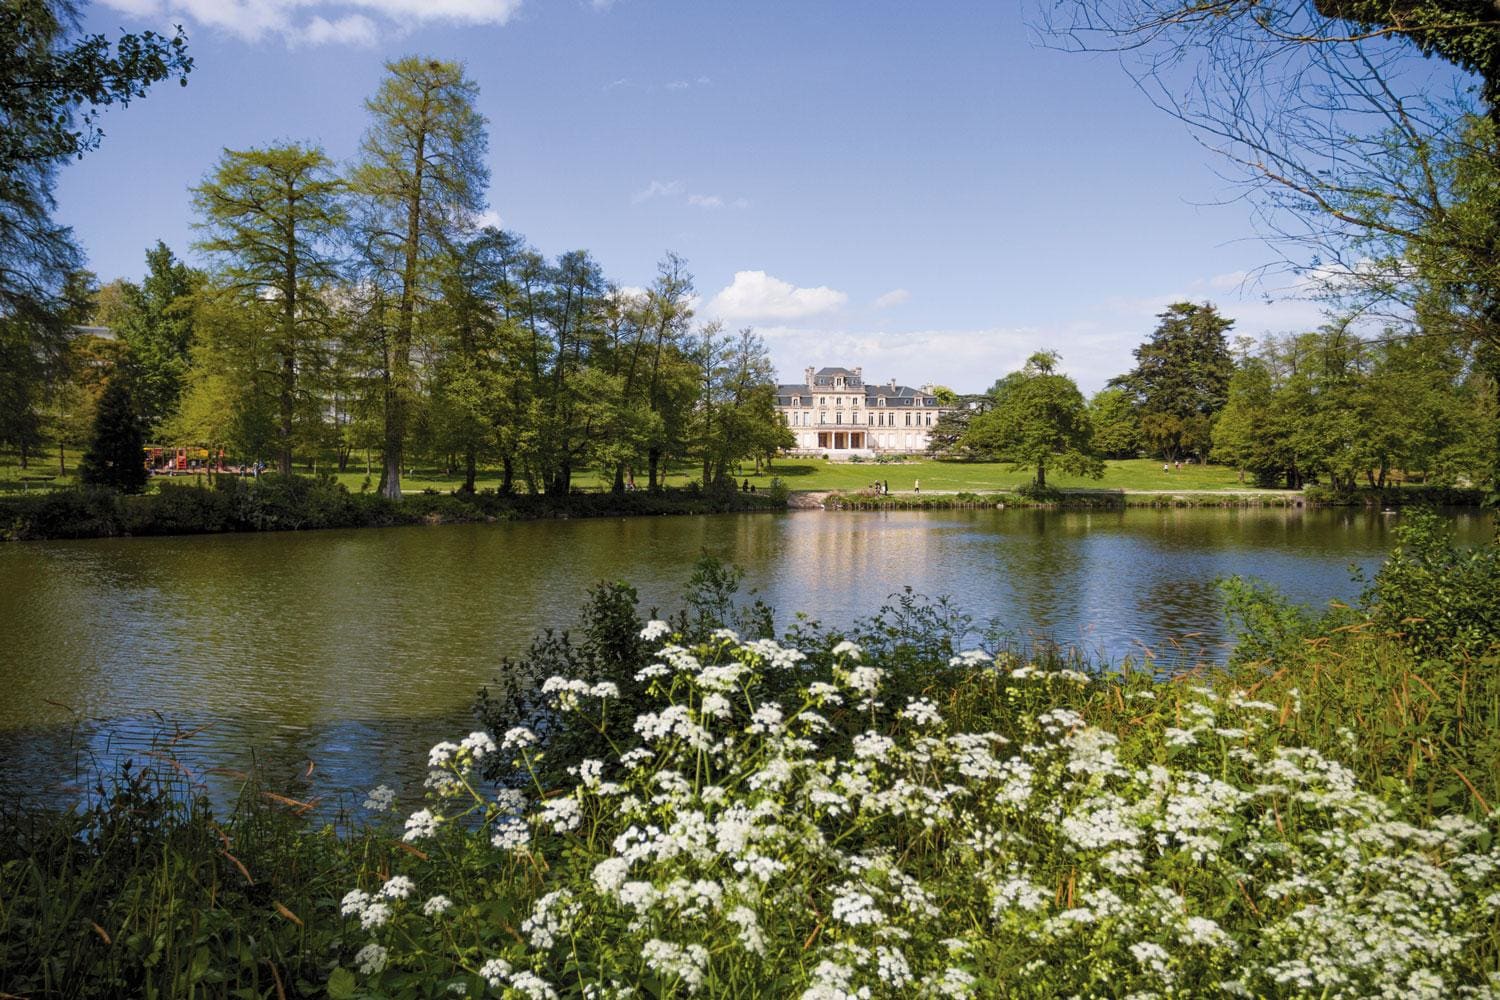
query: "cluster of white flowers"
655, 630
744, 829
564, 692
380, 798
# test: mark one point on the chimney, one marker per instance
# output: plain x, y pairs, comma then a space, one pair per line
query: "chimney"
893, 385
809, 374
859, 372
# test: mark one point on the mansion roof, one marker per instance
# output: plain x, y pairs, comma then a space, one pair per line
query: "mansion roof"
891, 395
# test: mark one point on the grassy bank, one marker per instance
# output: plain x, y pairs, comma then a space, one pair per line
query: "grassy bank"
887, 810
1070, 499
275, 503
1095, 499
1120, 476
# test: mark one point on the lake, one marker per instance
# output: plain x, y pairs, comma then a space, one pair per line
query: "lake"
356, 650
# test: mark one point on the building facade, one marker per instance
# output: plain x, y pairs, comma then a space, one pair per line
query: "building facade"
836, 413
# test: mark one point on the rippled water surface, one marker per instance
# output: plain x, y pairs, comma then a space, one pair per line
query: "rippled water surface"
355, 650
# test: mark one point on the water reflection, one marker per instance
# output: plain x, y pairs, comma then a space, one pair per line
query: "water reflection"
356, 649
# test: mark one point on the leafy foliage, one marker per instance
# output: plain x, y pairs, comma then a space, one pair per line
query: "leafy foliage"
1039, 418
116, 457
1181, 380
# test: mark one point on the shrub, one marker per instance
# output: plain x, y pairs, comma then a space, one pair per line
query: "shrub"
177, 510
991, 838
1442, 599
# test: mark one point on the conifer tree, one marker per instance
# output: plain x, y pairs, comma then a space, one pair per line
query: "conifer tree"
115, 457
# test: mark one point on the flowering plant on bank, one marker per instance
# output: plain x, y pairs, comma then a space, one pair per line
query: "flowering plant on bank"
984, 840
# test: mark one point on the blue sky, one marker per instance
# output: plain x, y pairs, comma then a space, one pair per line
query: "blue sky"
919, 189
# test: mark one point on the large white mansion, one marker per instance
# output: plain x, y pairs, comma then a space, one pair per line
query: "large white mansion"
837, 413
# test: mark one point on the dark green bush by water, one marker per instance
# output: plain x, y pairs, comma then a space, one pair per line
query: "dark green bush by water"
300, 503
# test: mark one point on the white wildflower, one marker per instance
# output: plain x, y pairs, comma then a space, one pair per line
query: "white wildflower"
511, 834
441, 754
380, 798
518, 737
370, 960
655, 630
495, 972
478, 743
398, 887
420, 825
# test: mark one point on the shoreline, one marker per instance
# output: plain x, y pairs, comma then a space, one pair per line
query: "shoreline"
236, 506
301, 504
1087, 499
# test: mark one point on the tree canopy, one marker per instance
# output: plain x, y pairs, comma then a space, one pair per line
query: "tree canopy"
1039, 418
1181, 379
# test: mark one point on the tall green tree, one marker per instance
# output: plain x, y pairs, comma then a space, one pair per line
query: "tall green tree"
270, 218
56, 81
155, 322
472, 384
115, 457
421, 178
1181, 380
53, 83
949, 439
1039, 419
1117, 425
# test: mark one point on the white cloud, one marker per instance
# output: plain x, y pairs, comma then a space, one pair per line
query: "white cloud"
489, 217
894, 297
1095, 340
356, 29
678, 85
623, 81
316, 22
706, 200
757, 295
656, 189
963, 360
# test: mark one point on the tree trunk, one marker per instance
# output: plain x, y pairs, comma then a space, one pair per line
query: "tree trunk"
471, 468
653, 459
619, 483
508, 475
1041, 475
395, 425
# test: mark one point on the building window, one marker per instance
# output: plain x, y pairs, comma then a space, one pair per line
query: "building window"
838, 418
908, 420
929, 420
872, 420
822, 400
822, 416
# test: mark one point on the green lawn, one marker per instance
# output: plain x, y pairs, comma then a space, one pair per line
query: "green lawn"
817, 474
798, 474
1133, 474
